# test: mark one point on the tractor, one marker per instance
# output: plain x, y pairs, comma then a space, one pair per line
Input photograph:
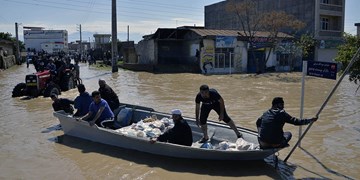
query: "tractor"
46, 83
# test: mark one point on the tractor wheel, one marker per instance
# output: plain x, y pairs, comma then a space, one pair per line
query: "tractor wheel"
67, 83
19, 90
51, 89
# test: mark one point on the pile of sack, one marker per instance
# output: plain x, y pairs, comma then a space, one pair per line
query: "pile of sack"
240, 144
149, 127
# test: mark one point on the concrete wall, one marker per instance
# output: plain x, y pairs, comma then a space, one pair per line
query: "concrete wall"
6, 62
146, 53
9, 48
326, 55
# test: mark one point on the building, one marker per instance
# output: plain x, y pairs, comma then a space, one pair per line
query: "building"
38, 39
74, 47
324, 20
210, 51
357, 29
101, 40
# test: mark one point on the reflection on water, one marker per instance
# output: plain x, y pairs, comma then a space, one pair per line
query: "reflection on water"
32, 147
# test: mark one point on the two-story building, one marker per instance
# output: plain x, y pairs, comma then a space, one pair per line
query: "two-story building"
38, 39
324, 20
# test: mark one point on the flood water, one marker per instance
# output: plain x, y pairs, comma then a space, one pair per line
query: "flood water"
31, 147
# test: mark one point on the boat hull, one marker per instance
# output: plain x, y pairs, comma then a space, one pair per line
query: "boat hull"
81, 129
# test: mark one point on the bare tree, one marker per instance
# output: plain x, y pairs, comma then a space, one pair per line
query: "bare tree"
276, 21
249, 20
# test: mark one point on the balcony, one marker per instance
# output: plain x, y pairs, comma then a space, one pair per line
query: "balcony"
330, 33
331, 7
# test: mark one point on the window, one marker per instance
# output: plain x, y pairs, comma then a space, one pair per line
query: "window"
324, 23
283, 59
325, 1
223, 56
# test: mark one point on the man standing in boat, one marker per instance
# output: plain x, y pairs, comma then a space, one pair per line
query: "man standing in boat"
100, 108
270, 125
211, 100
180, 134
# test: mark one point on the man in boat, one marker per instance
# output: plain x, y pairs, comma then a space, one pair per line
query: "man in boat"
270, 125
180, 134
82, 102
211, 100
108, 94
98, 108
62, 104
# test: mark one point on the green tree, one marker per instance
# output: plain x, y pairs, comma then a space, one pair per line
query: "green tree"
8, 36
346, 53
307, 44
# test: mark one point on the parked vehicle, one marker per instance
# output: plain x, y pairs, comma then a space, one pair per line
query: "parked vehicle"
46, 83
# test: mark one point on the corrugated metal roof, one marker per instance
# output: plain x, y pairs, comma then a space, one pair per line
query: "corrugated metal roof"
215, 32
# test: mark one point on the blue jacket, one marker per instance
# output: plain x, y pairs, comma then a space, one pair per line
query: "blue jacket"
82, 103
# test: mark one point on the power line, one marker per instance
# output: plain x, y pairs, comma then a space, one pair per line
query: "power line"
154, 4
119, 6
103, 12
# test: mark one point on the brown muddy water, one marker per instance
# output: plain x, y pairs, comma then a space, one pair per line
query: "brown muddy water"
31, 147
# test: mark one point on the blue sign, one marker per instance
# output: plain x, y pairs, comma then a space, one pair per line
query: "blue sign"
322, 69
225, 41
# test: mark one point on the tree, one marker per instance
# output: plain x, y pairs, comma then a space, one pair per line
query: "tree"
346, 52
248, 18
274, 22
8, 36
307, 44
251, 20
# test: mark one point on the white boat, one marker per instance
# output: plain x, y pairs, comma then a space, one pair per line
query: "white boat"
217, 131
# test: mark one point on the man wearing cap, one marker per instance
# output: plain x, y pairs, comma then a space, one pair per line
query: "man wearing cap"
211, 100
180, 134
270, 125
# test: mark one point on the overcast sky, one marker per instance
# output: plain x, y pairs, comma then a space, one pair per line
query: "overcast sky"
143, 16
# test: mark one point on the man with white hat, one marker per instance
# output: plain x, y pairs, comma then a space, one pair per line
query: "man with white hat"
180, 134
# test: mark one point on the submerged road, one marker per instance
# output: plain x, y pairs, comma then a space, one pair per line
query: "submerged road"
33, 148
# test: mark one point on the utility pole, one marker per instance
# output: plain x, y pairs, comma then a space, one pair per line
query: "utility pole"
18, 55
114, 49
128, 31
80, 50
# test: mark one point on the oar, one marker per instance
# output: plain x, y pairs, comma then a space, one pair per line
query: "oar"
353, 60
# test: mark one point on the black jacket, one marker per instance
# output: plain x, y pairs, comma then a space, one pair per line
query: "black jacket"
271, 124
179, 134
63, 104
